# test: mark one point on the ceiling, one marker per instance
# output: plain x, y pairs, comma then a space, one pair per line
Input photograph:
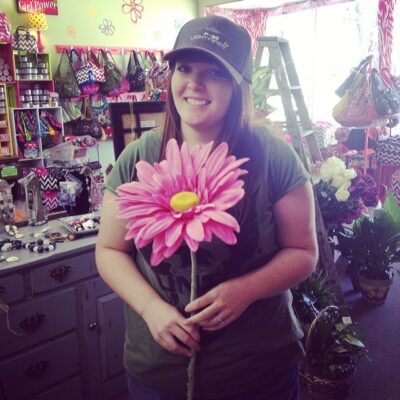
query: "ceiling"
258, 3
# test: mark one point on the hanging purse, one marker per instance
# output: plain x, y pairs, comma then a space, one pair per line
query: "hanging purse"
88, 125
66, 84
83, 73
112, 73
5, 34
22, 40
135, 74
356, 108
101, 112
96, 69
384, 93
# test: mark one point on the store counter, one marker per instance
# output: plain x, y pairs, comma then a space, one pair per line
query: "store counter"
61, 327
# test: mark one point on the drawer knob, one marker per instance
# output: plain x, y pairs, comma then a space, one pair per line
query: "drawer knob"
60, 273
38, 369
32, 323
92, 326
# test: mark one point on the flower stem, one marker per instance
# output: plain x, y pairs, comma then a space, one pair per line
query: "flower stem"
193, 295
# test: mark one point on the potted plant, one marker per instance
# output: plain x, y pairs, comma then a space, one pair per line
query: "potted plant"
333, 347
373, 246
261, 81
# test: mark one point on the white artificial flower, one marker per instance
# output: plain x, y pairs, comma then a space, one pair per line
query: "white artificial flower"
342, 194
339, 180
350, 173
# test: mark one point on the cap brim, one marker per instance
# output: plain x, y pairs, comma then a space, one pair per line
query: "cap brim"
174, 54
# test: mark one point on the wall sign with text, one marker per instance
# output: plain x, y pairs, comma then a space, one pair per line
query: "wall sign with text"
49, 7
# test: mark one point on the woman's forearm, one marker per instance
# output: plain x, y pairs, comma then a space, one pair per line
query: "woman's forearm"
119, 271
284, 271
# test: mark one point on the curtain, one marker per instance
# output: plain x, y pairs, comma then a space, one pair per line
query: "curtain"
385, 32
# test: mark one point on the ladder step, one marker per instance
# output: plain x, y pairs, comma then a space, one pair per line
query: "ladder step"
307, 132
278, 92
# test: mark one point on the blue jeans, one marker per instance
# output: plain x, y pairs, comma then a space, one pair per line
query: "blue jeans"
286, 387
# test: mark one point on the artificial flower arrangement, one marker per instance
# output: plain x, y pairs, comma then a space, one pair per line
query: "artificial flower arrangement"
183, 200
342, 193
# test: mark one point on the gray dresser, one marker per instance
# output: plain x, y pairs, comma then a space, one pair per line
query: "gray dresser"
70, 326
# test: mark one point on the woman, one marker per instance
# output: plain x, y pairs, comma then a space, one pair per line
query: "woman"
244, 331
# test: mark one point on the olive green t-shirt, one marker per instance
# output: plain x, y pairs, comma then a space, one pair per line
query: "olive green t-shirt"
248, 352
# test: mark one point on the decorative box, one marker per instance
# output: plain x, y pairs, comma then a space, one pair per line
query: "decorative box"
31, 150
389, 150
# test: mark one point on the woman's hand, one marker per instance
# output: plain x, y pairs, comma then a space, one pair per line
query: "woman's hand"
219, 307
168, 328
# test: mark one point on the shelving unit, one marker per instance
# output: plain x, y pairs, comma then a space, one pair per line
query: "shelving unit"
6, 142
39, 137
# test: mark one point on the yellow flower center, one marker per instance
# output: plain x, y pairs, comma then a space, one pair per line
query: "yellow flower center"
184, 201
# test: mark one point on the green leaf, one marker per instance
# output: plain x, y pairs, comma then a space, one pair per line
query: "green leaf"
390, 205
353, 341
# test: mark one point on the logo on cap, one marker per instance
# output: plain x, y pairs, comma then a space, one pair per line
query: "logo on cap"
215, 39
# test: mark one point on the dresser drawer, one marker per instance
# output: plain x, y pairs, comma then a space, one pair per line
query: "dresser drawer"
70, 389
37, 369
37, 320
62, 272
11, 288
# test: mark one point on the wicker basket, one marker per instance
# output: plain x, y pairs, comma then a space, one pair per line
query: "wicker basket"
318, 388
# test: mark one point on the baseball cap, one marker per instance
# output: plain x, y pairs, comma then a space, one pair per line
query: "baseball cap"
221, 38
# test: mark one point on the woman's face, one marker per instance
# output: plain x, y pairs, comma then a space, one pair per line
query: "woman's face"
202, 92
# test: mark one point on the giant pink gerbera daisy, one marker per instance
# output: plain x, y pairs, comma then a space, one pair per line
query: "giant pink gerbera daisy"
183, 198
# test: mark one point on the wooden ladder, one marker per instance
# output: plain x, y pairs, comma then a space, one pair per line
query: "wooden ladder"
299, 127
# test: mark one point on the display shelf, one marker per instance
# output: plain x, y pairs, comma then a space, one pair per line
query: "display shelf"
36, 129
6, 63
31, 66
6, 142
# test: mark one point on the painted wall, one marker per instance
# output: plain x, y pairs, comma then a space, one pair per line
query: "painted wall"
82, 22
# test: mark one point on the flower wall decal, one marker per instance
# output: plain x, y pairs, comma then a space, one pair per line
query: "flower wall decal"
71, 31
107, 27
134, 8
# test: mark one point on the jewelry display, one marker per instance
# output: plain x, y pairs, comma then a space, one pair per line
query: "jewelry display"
36, 210
41, 246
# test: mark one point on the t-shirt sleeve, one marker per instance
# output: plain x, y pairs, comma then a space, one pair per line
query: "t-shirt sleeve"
146, 148
124, 168
285, 169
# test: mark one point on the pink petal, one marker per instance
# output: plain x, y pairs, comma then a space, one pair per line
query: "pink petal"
192, 244
228, 198
223, 233
173, 233
145, 172
156, 258
169, 251
199, 155
154, 228
216, 159
223, 218
173, 158
194, 229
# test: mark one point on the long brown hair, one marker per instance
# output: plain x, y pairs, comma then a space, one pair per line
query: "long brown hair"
238, 133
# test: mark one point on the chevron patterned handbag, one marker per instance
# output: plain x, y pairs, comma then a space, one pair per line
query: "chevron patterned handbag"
389, 150
22, 40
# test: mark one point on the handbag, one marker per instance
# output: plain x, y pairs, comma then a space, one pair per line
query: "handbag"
101, 112
97, 70
384, 93
135, 74
357, 108
112, 73
5, 34
66, 85
84, 74
88, 125
22, 40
